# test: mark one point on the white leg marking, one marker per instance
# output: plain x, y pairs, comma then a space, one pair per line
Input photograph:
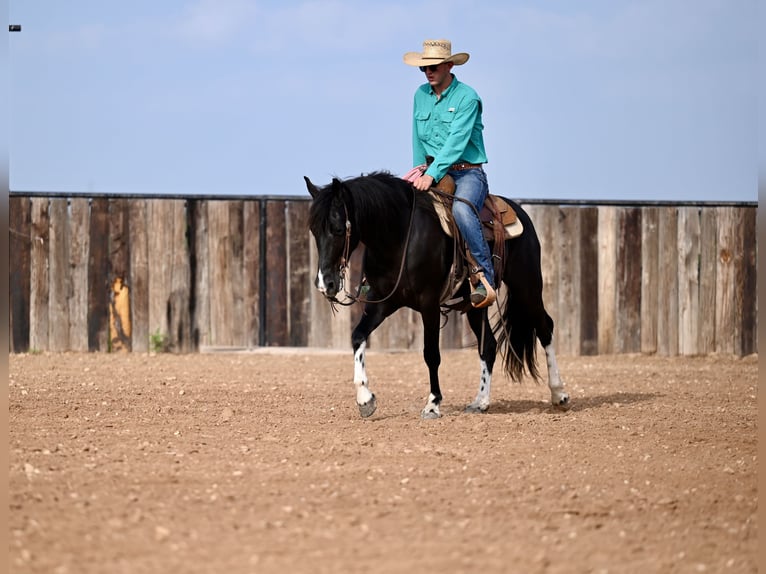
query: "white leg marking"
481, 403
559, 397
431, 410
363, 394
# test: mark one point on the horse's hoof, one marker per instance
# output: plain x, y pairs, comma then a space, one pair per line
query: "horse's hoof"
429, 415
368, 408
474, 408
562, 402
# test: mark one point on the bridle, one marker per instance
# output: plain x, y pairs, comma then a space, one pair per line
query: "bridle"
345, 259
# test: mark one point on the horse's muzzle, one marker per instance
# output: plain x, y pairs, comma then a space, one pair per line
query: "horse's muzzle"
328, 285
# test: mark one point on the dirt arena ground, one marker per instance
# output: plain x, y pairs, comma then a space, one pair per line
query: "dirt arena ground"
259, 462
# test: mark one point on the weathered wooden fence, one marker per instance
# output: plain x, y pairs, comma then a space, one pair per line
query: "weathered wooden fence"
185, 274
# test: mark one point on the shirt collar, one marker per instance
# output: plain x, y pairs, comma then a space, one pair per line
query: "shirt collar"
451, 86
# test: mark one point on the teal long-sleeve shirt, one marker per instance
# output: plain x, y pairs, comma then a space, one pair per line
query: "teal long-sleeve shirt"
448, 128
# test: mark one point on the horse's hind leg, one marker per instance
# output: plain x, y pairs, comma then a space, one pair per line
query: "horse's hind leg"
479, 322
559, 397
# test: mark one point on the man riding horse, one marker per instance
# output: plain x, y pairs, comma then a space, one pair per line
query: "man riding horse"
447, 126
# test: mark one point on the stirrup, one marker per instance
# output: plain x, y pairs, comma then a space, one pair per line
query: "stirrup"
491, 296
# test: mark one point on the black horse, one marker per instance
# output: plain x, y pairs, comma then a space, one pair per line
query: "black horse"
407, 263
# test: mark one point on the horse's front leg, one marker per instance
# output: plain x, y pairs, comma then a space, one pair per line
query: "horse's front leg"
479, 322
365, 399
432, 357
371, 319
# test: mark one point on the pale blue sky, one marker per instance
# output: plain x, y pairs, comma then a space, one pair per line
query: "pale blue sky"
610, 99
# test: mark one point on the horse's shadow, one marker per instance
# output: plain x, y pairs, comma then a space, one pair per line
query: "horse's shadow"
509, 406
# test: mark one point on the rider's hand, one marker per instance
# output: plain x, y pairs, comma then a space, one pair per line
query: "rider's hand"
424, 183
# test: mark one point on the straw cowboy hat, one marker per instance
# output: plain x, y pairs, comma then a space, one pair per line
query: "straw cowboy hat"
435, 52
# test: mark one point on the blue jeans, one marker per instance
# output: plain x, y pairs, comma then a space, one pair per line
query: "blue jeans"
471, 185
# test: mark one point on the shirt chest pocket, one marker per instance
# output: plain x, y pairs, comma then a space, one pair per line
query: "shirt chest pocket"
442, 125
445, 118
423, 125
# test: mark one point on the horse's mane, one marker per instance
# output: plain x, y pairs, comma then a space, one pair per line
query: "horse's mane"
379, 195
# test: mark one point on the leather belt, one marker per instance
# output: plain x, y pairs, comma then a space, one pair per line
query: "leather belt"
460, 166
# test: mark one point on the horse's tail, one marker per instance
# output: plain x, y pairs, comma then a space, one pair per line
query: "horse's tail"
517, 340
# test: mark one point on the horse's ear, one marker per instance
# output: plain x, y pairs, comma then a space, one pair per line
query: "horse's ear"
336, 186
311, 187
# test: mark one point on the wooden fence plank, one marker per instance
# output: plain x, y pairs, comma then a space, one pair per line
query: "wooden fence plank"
201, 273
748, 285
708, 268
688, 280
160, 220
607, 279
588, 298
58, 277
569, 319
226, 269
276, 279
729, 249
628, 288
252, 271
298, 272
739, 264
221, 291
667, 283
138, 232
119, 252
39, 285
79, 249
98, 276
20, 243
178, 313
236, 273
119, 273
650, 271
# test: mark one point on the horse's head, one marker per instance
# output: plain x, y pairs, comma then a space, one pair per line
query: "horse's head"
330, 224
